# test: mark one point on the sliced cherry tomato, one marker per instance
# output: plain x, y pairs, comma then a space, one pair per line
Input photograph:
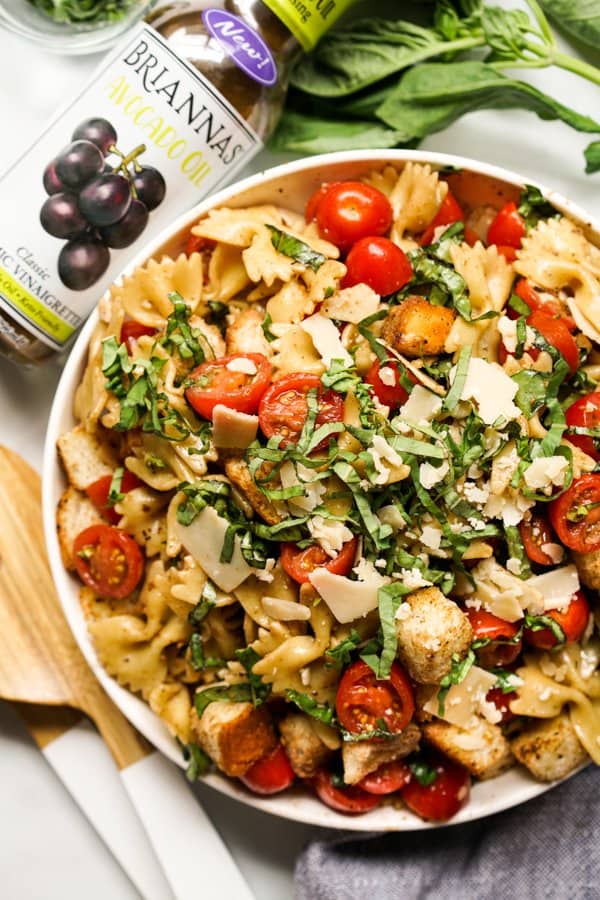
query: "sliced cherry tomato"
573, 621
444, 797
351, 210
283, 407
509, 253
508, 227
575, 514
379, 263
536, 533
108, 560
393, 395
271, 774
300, 563
498, 632
450, 211
585, 413
228, 381
502, 701
471, 236
196, 244
98, 493
363, 701
526, 291
387, 778
314, 201
131, 331
348, 799
557, 333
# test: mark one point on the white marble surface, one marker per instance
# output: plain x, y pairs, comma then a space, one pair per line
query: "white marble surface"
47, 849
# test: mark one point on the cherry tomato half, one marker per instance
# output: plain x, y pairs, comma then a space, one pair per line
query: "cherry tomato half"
348, 799
379, 263
509, 253
196, 244
225, 381
573, 620
497, 631
502, 701
314, 201
98, 493
387, 778
362, 700
393, 395
556, 332
536, 533
108, 560
526, 291
450, 211
283, 407
300, 563
439, 801
508, 227
131, 331
584, 413
351, 210
575, 514
271, 774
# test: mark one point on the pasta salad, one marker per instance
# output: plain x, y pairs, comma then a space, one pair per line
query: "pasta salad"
333, 492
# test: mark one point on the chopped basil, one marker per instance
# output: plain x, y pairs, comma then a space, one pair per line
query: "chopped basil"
266, 327
198, 660
533, 206
540, 623
341, 655
424, 773
296, 249
453, 396
233, 693
198, 761
259, 690
321, 711
114, 491
504, 680
179, 336
458, 672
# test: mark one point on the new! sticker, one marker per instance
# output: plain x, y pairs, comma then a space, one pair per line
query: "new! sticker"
244, 45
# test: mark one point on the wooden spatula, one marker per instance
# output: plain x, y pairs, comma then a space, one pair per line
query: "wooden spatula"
41, 664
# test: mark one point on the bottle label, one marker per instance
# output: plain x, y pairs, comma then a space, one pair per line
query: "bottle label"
167, 126
244, 45
310, 19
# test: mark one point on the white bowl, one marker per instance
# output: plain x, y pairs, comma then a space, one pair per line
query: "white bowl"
289, 185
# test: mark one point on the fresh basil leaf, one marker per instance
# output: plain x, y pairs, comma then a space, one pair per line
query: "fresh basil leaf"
266, 327
198, 761
259, 689
189, 343
341, 655
114, 490
540, 623
579, 18
516, 550
504, 680
533, 206
296, 249
452, 398
233, 693
431, 96
592, 157
198, 660
301, 132
321, 711
423, 772
458, 672
207, 601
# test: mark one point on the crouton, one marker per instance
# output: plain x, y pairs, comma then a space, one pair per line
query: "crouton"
482, 750
550, 749
246, 335
235, 735
239, 474
361, 757
433, 632
417, 328
74, 513
305, 749
588, 567
85, 459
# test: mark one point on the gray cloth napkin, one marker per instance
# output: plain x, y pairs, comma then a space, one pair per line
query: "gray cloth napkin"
546, 849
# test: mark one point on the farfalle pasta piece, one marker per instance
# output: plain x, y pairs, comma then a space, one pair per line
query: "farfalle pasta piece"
171, 701
489, 280
142, 516
227, 275
294, 351
415, 198
144, 295
290, 304
237, 227
557, 256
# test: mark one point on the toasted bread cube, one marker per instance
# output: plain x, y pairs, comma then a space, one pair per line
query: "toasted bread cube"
246, 335
238, 473
482, 750
84, 457
75, 512
418, 328
361, 757
431, 634
588, 567
550, 749
235, 735
305, 749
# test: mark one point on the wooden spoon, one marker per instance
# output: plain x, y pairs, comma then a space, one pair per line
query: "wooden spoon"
41, 664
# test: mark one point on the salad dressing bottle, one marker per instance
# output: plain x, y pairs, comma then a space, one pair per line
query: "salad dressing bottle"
172, 114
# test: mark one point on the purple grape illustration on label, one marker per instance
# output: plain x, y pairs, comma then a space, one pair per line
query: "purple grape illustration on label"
98, 198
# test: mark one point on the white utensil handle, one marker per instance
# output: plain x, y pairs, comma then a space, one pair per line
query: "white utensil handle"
184, 839
81, 760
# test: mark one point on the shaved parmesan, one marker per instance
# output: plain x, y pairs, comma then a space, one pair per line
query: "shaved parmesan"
242, 365
347, 600
232, 428
313, 489
546, 471
285, 610
464, 701
421, 406
330, 534
204, 539
556, 589
488, 385
351, 304
326, 339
